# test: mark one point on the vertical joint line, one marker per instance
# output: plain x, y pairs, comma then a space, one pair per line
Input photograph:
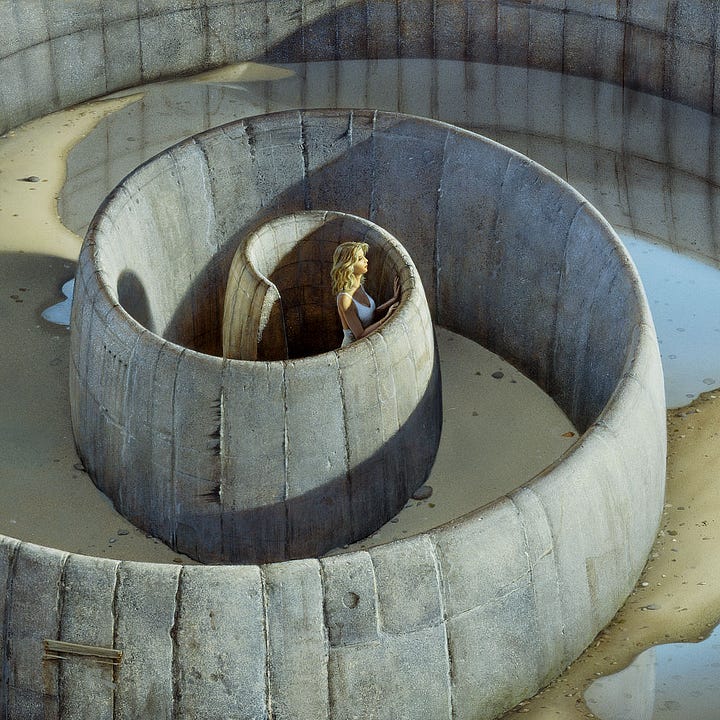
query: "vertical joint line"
306, 162
286, 489
222, 450
138, 15
326, 637
60, 604
440, 580
175, 662
266, 638
398, 23
7, 619
173, 453
373, 175
115, 635
285, 430
434, 40
346, 445
436, 240
267, 30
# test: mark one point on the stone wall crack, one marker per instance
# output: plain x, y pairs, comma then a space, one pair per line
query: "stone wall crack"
176, 664
443, 612
266, 637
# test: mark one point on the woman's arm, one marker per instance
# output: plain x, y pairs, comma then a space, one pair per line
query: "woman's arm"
393, 300
347, 311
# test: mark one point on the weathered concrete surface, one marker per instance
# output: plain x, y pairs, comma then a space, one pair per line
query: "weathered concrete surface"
231, 459
558, 556
59, 53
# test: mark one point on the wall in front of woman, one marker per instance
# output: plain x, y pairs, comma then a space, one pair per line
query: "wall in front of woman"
234, 460
57, 53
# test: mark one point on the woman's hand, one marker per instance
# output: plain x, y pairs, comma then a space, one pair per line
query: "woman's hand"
391, 310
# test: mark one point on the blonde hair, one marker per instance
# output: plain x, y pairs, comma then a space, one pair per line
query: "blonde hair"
344, 258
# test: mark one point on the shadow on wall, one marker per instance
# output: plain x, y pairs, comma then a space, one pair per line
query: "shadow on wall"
306, 525
197, 321
348, 161
134, 299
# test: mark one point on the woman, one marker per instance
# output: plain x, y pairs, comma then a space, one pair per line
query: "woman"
356, 308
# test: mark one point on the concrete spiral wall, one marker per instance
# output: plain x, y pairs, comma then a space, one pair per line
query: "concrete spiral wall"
431, 625
231, 460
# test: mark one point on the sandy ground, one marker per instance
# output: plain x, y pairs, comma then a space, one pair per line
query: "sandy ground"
45, 491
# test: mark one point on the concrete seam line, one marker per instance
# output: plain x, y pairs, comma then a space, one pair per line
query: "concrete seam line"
266, 638
443, 610
7, 620
176, 665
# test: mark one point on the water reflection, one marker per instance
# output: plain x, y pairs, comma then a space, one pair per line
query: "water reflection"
647, 164
684, 296
59, 313
663, 683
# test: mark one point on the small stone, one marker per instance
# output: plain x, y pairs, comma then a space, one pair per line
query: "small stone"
123, 532
672, 532
30, 178
79, 466
498, 375
652, 606
422, 493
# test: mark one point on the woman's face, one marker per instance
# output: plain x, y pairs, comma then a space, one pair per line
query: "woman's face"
361, 264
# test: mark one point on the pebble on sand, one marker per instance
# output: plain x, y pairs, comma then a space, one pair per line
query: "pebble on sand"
422, 493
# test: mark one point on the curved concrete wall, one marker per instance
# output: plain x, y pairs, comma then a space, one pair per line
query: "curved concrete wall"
508, 251
233, 460
57, 53
428, 624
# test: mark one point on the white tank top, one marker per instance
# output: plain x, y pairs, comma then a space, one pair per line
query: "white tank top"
365, 312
